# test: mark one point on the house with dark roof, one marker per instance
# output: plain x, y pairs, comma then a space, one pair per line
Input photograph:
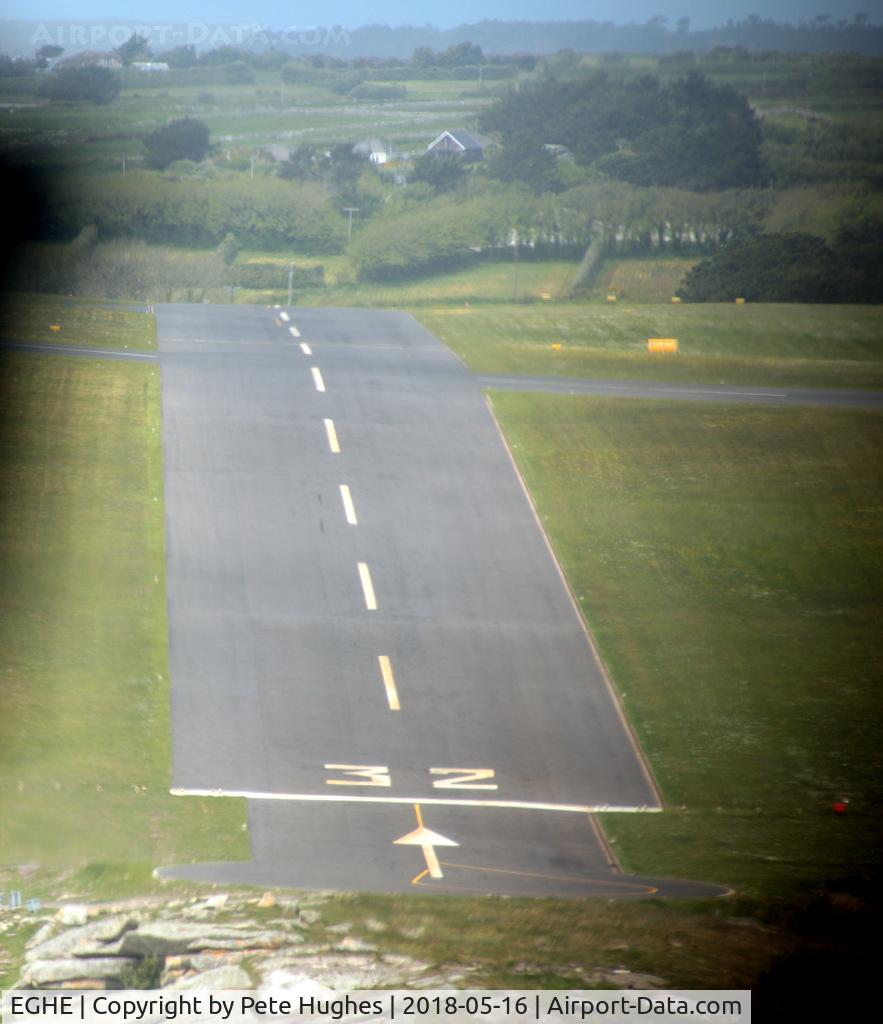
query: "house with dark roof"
469, 146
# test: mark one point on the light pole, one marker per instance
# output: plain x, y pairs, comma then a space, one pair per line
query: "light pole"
290, 280
350, 210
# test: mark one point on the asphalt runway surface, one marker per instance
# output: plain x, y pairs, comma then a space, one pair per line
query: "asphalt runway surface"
732, 393
370, 639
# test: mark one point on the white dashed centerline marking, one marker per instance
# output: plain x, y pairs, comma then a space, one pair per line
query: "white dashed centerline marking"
332, 437
294, 332
284, 316
349, 510
305, 348
367, 587
389, 683
317, 378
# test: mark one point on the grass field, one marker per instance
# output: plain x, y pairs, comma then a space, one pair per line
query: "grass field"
85, 733
80, 323
652, 280
774, 345
729, 562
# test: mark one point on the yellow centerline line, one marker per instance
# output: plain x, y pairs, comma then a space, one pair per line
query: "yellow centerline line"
367, 587
332, 437
349, 509
389, 683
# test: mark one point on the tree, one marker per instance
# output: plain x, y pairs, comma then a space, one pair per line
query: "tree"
88, 84
338, 168
857, 245
524, 159
46, 52
691, 133
423, 57
461, 55
769, 268
136, 47
183, 139
443, 174
180, 57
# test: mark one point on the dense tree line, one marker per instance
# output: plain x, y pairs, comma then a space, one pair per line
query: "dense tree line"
269, 214
793, 268
485, 221
690, 133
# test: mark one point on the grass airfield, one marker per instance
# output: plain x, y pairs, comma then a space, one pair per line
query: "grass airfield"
727, 559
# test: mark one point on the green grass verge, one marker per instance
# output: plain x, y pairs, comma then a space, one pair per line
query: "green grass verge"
82, 323
502, 281
84, 731
773, 345
729, 562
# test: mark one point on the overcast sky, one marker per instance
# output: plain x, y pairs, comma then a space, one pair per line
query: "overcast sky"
352, 13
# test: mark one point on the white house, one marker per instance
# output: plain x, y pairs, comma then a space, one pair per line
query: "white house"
374, 149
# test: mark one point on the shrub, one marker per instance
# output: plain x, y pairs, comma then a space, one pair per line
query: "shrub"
87, 84
769, 268
183, 139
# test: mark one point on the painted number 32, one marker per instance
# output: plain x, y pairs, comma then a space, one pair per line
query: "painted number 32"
378, 775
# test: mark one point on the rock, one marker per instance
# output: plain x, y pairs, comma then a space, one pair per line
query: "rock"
219, 978
165, 938
413, 933
373, 925
352, 944
216, 902
267, 900
289, 983
43, 934
340, 929
343, 971
99, 939
45, 973
72, 914
309, 917
623, 978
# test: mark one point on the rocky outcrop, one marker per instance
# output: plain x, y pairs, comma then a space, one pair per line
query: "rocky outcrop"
212, 943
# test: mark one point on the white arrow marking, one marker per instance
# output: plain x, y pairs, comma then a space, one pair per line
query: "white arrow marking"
426, 839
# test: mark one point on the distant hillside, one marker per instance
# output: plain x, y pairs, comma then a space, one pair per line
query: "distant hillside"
19, 37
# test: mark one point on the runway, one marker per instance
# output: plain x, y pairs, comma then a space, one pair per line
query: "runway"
370, 639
